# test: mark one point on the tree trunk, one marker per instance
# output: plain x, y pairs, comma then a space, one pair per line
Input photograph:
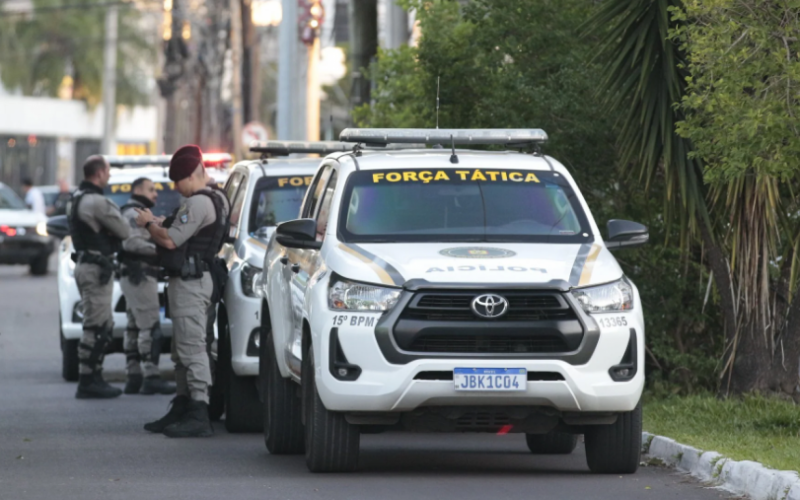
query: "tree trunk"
363, 47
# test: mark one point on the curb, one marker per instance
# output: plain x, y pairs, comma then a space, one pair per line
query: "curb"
741, 478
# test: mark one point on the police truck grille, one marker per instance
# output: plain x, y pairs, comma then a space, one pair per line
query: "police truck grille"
522, 306
489, 344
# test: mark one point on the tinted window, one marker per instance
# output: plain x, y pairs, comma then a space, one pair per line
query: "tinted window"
277, 199
10, 200
461, 205
316, 191
325, 207
168, 198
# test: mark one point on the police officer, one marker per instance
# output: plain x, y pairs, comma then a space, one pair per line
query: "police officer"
189, 243
97, 229
139, 283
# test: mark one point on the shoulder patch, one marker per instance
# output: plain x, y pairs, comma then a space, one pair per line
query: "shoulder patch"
184, 218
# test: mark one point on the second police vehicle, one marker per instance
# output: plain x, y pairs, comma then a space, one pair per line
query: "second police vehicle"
450, 290
262, 193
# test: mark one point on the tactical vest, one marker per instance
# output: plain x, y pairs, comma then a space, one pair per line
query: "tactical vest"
208, 240
125, 257
85, 238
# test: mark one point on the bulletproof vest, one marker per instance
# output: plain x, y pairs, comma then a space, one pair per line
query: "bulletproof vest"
83, 236
125, 257
208, 240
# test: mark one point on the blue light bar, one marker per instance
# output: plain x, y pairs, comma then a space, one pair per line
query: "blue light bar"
443, 136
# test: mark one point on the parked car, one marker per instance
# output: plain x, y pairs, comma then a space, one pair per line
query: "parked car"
125, 169
263, 193
446, 290
23, 234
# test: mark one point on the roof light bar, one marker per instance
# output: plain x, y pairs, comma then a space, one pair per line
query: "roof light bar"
285, 148
133, 161
459, 136
137, 160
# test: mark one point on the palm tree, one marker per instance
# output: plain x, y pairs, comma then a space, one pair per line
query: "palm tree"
644, 77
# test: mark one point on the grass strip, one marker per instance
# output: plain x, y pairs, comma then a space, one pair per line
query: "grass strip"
755, 428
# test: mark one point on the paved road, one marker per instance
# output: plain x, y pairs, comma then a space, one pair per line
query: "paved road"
53, 446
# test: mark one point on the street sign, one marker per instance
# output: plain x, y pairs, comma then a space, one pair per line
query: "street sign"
254, 131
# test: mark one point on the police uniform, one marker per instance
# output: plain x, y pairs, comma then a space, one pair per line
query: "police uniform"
139, 283
97, 229
197, 229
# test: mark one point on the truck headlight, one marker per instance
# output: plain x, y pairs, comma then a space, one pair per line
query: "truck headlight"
248, 279
350, 296
616, 296
41, 228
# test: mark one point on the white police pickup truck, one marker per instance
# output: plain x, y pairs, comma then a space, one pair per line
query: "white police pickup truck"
263, 193
451, 291
124, 170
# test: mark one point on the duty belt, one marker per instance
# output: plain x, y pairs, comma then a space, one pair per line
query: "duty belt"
105, 263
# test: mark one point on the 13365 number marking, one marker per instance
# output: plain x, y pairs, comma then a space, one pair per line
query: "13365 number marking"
613, 321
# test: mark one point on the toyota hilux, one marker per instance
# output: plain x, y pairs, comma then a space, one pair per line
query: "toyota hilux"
445, 290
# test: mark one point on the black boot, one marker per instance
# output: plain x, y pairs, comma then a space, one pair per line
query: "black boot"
133, 384
157, 385
90, 388
179, 405
194, 423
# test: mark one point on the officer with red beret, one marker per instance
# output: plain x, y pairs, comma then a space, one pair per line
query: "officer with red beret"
188, 242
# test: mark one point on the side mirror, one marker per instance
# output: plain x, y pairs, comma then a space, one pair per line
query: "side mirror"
625, 234
299, 233
58, 226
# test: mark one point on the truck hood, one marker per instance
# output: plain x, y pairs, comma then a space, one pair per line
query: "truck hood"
395, 263
21, 218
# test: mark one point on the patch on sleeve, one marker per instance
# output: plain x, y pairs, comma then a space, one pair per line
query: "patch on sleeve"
184, 218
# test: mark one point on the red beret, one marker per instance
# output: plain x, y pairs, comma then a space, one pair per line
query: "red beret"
184, 162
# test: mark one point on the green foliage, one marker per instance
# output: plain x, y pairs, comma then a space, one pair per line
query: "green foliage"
37, 51
523, 63
751, 428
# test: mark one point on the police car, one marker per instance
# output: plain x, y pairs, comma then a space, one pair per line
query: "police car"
124, 170
262, 194
452, 291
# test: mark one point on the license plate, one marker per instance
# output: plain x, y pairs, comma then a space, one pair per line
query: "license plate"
490, 379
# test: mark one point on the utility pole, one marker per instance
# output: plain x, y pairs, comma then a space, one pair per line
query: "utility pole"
363, 46
236, 80
251, 90
396, 25
291, 76
109, 146
312, 92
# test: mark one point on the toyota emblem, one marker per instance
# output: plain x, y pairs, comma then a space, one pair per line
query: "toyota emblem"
489, 306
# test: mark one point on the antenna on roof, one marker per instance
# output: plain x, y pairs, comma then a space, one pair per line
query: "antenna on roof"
437, 101
453, 157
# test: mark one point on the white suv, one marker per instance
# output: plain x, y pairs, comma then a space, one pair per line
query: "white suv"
262, 193
124, 170
450, 291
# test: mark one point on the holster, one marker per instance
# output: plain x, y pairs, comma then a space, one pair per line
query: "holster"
106, 265
193, 268
136, 271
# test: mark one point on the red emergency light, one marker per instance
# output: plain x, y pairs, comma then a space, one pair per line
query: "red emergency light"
8, 231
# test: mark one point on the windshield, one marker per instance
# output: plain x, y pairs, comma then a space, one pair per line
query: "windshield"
277, 199
461, 205
9, 200
168, 198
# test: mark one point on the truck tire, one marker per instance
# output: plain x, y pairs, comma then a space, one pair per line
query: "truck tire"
39, 265
552, 443
615, 448
242, 406
332, 444
283, 417
69, 358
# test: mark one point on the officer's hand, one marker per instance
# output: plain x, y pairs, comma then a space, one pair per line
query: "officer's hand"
144, 216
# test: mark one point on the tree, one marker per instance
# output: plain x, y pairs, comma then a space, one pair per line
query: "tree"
741, 108
523, 63
60, 39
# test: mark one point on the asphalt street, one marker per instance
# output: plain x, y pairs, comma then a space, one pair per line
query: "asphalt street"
53, 446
